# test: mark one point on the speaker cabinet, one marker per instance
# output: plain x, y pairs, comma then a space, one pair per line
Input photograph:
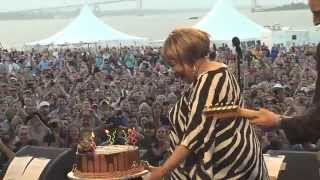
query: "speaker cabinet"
59, 162
299, 165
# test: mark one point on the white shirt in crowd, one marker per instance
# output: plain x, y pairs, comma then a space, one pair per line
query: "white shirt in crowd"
13, 68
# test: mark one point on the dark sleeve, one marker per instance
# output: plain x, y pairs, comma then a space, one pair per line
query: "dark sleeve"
303, 129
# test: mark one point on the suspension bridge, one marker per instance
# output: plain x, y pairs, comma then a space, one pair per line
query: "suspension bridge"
278, 5
65, 10
71, 10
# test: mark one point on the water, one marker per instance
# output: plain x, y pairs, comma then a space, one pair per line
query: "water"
14, 33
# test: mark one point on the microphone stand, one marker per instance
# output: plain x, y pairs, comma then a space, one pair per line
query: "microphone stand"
239, 73
236, 43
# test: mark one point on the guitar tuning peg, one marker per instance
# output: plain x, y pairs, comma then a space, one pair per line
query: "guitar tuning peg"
218, 109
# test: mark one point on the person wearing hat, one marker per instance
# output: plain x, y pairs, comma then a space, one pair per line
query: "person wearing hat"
44, 110
304, 128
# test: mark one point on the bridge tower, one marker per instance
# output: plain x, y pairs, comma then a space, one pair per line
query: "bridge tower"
253, 5
97, 8
139, 8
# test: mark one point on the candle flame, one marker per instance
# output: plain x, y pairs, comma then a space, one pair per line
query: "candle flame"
92, 135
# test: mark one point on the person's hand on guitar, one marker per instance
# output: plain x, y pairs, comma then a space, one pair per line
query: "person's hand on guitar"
263, 117
266, 118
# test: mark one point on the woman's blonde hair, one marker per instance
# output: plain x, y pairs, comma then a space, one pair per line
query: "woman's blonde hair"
186, 44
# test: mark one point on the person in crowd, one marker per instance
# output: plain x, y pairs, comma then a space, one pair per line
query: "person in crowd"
158, 147
73, 137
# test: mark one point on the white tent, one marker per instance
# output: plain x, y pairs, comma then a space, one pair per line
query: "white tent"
86, 28
224, 22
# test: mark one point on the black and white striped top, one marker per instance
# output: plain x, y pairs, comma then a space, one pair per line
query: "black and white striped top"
220, 149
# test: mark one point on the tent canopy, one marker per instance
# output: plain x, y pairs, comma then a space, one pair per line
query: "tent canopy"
86, 28
224, 22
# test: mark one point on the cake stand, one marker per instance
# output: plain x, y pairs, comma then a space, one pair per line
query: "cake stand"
71, 176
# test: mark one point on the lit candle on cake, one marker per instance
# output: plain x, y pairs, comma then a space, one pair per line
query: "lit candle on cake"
108, 136
92, 135
93, 143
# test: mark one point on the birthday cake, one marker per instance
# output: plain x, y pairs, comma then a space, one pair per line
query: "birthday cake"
106, 162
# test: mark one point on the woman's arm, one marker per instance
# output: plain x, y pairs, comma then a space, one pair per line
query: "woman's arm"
178, 155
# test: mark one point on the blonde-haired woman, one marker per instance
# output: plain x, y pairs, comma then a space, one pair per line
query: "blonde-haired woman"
203, 147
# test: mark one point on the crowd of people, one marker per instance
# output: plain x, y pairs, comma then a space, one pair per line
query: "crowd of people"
50, 97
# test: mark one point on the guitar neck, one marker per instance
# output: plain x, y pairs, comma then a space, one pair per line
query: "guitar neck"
248, 113
223, 113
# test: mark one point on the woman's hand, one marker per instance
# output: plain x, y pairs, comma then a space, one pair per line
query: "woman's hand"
157, 173
266, 118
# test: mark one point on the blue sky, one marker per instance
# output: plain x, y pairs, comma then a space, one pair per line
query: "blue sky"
9, 5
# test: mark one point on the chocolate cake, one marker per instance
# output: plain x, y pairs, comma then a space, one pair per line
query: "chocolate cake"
108, 162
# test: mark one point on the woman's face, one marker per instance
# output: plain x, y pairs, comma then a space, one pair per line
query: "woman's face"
182, 70
162, 134
74, 132
177, 67
161, 99
23, 136
130, 85
86, 117
124, 84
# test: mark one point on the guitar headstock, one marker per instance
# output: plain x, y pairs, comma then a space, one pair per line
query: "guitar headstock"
225, 111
